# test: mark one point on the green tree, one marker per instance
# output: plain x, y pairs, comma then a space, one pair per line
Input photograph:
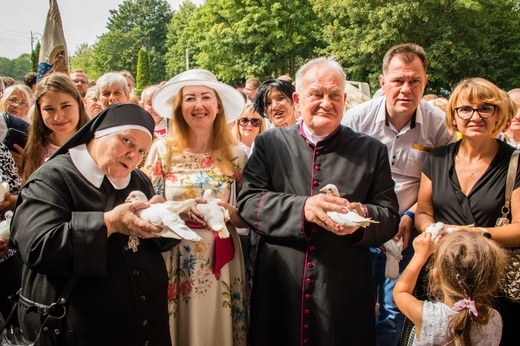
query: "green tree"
83, 59
35, 56
178, 40
134, 24
143, 72
463, 38
15, 68
242, 38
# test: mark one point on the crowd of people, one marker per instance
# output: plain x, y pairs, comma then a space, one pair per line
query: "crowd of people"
93, 272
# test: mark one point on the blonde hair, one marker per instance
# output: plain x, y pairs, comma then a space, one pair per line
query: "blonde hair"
8, 92
466, 265
248, 113
222, 139
479, 90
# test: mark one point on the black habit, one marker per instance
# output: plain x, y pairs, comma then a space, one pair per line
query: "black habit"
121, 295
311, 286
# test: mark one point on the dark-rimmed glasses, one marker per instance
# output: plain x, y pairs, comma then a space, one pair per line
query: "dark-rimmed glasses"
255, 122
484, 111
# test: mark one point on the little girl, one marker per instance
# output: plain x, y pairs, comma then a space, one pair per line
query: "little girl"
464, 276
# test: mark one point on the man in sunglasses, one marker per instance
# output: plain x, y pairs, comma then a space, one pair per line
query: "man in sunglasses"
410, 127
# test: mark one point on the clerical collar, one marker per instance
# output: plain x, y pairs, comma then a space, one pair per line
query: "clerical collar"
311, 137
90, 170
412, 121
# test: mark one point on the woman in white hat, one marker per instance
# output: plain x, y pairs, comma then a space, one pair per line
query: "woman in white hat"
206, 278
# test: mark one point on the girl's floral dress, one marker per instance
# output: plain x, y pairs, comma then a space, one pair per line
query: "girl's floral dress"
204, 309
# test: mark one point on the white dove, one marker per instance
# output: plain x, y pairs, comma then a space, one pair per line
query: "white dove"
5, 226
4, 188
215, 215
393, 257
436, 229
350, 219
166, 215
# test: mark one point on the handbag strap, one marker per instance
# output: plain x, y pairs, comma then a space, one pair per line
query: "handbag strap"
510, 180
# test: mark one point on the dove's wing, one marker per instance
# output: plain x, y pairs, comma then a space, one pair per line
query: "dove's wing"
178, 207
4, 230
153, 214
392, 268
175, 224
341, 219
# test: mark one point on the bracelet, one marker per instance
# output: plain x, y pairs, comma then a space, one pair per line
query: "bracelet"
410, 214
485, 232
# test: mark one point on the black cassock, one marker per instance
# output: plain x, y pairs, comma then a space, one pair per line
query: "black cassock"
311, 286
121, 295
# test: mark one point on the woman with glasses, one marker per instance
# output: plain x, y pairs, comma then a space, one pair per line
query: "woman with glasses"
464, 183
247, 127
17, 100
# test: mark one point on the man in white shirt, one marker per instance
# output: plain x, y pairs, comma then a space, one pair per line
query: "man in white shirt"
410, 128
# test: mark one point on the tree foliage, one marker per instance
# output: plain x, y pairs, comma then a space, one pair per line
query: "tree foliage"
463, 38
35, 56
237, 39
143, 72
179, 40
15, 68
136, 23
82, 59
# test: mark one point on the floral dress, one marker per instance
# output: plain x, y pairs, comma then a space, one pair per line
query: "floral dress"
8, 174
205, 309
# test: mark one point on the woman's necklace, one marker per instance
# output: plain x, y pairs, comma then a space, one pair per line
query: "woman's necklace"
472, 174
472, 168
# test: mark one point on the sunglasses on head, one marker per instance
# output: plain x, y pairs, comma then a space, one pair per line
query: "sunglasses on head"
255, 122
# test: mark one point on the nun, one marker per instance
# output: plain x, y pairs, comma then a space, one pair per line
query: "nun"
89, 263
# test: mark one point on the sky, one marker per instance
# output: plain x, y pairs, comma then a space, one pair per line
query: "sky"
83, 22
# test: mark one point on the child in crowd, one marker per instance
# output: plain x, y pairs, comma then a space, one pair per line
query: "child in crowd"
463, 278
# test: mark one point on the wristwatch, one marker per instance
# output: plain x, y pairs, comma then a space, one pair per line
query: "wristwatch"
485, 232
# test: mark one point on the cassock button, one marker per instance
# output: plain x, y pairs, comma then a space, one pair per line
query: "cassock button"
317, 167
308, 281
317, 153
136, 272
312, 248
144, 322
307, 311
308, 296
305, 341
314, 230
316, 183
306, 326
310, 265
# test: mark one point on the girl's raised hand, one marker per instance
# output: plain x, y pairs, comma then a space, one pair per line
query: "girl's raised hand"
424, 246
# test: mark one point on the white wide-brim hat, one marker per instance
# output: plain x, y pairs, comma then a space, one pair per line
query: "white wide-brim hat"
232, 99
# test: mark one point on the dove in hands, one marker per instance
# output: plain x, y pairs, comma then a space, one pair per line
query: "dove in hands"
349, 219
5, 226
4, 188
166, 215
436, 229
393, 257
215, 215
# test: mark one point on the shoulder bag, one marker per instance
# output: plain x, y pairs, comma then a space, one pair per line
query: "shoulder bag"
54, 313
510, 283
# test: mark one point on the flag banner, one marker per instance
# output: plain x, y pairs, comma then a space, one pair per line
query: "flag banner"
53, 50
